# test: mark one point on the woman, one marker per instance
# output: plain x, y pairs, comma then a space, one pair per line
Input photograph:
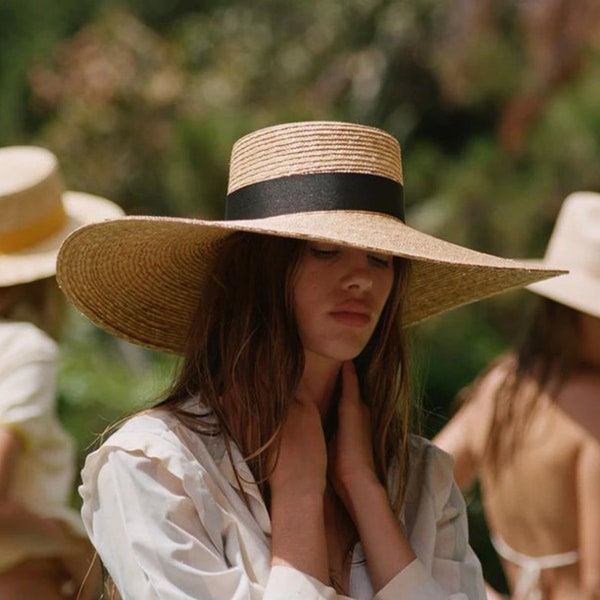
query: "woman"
530, 431
280, 465
44, 551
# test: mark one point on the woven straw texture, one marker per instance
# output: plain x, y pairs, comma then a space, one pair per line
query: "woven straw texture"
315, 147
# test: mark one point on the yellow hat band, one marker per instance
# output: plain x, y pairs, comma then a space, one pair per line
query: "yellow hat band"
34, 232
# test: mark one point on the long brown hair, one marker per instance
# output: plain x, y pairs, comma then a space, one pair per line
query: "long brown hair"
543, 361
244, 359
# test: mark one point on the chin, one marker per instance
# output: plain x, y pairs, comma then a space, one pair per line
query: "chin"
336, 349
343, 354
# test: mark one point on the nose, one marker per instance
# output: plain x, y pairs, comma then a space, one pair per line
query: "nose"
357, 275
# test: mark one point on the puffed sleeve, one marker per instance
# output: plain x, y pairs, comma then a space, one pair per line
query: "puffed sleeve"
27, 380
446, 568
161, 534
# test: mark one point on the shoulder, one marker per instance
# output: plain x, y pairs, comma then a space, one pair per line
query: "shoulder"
154, 458
467, 429
475, 416
150, 432
484, 388
153, 435
20, 340
579, 398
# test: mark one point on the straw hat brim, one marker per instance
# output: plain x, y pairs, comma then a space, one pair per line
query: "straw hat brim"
38, 261
141, 278
575, 289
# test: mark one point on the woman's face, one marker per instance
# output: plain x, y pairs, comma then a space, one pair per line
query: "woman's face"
339, 294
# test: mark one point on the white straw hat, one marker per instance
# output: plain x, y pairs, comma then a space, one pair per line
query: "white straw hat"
37, 214
141, 278
574, 245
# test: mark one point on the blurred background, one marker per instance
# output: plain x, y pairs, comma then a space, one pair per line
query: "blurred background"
496, 104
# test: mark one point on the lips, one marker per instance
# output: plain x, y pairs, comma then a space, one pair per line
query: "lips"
353, 312
353, 319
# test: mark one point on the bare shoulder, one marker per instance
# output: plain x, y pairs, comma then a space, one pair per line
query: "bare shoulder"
482, 392
579, 398
476, 406
466, 433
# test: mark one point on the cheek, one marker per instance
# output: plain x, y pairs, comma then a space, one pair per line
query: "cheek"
306, 301
307, 285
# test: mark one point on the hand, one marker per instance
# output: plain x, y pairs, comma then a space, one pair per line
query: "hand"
302, 462
352, 470
351, 450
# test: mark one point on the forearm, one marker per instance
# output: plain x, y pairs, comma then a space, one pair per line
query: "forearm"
18, 522
298, 533
385, 545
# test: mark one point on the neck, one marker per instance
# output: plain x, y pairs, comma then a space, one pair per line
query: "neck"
318, 382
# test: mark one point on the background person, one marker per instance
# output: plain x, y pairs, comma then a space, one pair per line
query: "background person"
530, 429
281, 463
44, 551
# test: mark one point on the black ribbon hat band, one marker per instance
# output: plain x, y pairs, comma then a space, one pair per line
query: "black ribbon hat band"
314, 192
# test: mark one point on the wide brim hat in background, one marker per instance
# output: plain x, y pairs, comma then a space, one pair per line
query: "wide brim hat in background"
574, 245
142, 278
37, 213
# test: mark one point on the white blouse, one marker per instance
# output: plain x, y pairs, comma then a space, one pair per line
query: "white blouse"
163, 508
43, 476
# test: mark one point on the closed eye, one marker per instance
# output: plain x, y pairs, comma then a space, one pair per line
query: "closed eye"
380, 260
323, 252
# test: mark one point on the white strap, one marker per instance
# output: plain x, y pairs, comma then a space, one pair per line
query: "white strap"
527, 586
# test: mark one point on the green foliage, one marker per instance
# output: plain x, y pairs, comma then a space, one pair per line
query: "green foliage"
29, 30
103, 380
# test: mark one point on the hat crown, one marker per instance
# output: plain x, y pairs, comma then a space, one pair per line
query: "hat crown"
313, 147
31, 189
575, 240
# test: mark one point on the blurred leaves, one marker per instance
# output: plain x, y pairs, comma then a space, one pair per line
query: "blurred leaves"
103, 380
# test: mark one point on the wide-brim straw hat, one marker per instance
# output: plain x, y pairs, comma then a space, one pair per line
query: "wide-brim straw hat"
37, 213
142, 278
574, 245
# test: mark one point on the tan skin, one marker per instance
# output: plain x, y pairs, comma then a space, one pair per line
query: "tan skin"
548, 500
322, 497
45, 576
41, 577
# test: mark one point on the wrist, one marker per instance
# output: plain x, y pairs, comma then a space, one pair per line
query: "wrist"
360, 483
298, 533
286, 499
360, 492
